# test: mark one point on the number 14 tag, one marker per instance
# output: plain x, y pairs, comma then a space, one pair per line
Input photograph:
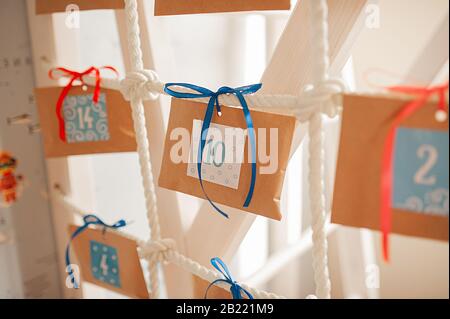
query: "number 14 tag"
421, 173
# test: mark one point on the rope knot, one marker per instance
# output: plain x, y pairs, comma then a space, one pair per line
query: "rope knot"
157, 250
143, 84
326, 94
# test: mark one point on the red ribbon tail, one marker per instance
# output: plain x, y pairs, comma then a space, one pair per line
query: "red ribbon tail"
59, 110
386, 246
387, 168
97, 86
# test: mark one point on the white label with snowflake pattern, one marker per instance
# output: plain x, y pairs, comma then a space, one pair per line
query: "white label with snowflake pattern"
222, 156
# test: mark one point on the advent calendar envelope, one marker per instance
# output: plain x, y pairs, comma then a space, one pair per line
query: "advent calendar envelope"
51, 6
214, 292
109, 260
421, 159
226, 168
174, 7
105, 127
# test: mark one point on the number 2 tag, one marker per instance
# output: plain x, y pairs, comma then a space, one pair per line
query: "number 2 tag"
421, 173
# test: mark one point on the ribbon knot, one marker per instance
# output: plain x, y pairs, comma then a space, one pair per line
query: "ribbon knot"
196, 92
88, 220
75, 76
423, 95
236, 290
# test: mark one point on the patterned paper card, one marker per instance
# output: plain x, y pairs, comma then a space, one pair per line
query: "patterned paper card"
222, 156
85, 121
421, 171
104, 263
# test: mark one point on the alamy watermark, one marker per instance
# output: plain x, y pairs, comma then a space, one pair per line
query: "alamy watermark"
226, 145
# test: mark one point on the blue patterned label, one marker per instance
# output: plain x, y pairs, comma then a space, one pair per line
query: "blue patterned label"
85, 121
421, 173
105, 263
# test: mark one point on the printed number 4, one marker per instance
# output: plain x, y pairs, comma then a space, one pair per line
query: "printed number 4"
431, 153
85, 118
104, 265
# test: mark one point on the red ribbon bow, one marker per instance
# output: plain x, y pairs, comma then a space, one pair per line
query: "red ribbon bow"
74, 77
423, 95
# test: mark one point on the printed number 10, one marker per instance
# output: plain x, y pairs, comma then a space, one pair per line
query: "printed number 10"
84, 118
431, 154
212, 151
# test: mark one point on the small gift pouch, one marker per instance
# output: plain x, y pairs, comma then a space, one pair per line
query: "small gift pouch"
215, 292
175, 7
227, 168
393, 152
51, 6
109, 260
84, 120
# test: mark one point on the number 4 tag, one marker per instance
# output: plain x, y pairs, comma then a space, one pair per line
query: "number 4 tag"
421, 173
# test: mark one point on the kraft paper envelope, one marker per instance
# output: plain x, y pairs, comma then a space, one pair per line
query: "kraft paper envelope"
51, 6
105, 127
109, 260
175, 7
215, 292
227, 185
365, 124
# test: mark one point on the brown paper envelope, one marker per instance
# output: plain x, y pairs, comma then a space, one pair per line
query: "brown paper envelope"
174, 7
50, 6
266, 196
214, 292
120, 124
132, 282
365, 124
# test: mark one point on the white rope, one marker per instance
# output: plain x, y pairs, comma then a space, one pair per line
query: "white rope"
137, 65
322, 84
140, 85
146, 85
164, 250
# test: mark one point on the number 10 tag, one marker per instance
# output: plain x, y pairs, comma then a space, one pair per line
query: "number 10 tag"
222, 156
421, 173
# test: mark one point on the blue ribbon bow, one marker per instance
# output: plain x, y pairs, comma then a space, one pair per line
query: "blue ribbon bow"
88, 220
201, 92
235, 289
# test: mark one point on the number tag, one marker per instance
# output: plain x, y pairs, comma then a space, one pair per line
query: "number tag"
222, 156
421, 173
104, 263
85, 121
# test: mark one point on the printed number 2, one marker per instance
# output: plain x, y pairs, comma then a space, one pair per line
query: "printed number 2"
431, 153
84, 117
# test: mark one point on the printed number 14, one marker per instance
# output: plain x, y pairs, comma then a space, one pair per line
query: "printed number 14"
85, 118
